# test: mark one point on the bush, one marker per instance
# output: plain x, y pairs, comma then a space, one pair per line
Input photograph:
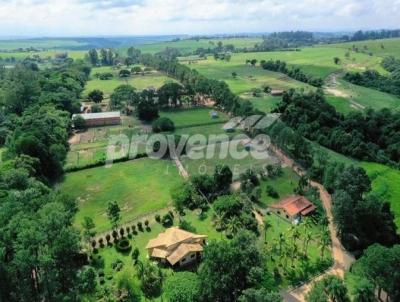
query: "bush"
163, 124
123, 245
128, 229
146, 223
140, 226
187, 226
271, 192
122, 232
108, 237
114, 234
133, 228
135, 254
158, 218
94, 243
167, 220
124, 73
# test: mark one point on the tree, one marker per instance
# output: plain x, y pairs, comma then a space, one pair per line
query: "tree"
336, 60
79, 122
234, 75
88, 229
169, 94
93, 57
253, 62
163, 124
136, 69
226, 267
124, 73
96, 96
330, 288
364, 291
151, 279
182, 287
124, 95
113, 214
222, 178
259, 295
88, 280
128, 291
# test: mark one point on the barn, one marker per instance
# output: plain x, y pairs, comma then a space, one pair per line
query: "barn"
100, 118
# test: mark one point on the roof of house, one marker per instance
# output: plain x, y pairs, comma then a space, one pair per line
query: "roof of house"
185, 242
97, 115
170, 237
294, 205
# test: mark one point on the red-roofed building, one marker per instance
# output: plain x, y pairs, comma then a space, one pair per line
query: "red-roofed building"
293, 207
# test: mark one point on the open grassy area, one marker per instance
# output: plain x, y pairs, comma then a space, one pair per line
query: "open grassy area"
391, 47
186, 46
140, 82
248, 77
284, 185
139, 186
194, 117
358, 98
265, 103
219, 153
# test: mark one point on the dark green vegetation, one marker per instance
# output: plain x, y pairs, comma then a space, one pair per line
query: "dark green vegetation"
39, 249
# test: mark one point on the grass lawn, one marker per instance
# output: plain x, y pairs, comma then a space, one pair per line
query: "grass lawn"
284, 185
139, 186
140, 82
341, 104
265, 103
207, 165
193, 117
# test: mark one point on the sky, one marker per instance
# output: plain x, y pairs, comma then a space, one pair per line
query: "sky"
159, 17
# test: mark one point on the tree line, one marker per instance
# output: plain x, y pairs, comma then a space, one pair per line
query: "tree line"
294, 72
373, 79
371, 136
39, 248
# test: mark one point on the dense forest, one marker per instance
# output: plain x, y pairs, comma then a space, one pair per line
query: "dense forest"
39, 249
371, 136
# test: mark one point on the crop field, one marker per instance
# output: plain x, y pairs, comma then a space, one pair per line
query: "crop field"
193, 117
140, 186
150, 79
186, 45
380, 48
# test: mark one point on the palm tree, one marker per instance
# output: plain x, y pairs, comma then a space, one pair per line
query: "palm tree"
325, 241
233, 225
307, 239
267, 225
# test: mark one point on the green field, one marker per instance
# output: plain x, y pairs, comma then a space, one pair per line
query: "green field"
359, 98
220, 153
186, 46
193, 117
139, 186
264, 103
391, 47
248, 77
151, 79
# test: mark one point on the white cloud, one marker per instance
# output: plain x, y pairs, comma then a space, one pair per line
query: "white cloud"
107, 17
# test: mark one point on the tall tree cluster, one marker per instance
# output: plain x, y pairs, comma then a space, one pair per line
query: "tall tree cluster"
372, 136
39, 248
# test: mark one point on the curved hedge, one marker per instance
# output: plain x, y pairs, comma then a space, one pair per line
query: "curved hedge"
123, 245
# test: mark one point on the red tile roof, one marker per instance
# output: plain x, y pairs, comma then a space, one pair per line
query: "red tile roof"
295, 205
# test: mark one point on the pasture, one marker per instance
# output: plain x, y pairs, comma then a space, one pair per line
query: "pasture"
359, 98
186, 45
248, 77
265, 103
141, 81
380, 48
194, 117
203, 160
139, 186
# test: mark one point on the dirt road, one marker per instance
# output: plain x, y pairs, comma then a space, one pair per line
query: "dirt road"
342, 259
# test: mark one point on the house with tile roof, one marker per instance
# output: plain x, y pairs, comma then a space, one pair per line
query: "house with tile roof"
293, 208
176, 247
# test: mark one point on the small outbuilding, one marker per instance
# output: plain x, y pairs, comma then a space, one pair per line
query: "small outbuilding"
100, 118
276, 92
293, 208
176, 247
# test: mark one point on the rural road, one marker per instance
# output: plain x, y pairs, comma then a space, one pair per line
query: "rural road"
342, 259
